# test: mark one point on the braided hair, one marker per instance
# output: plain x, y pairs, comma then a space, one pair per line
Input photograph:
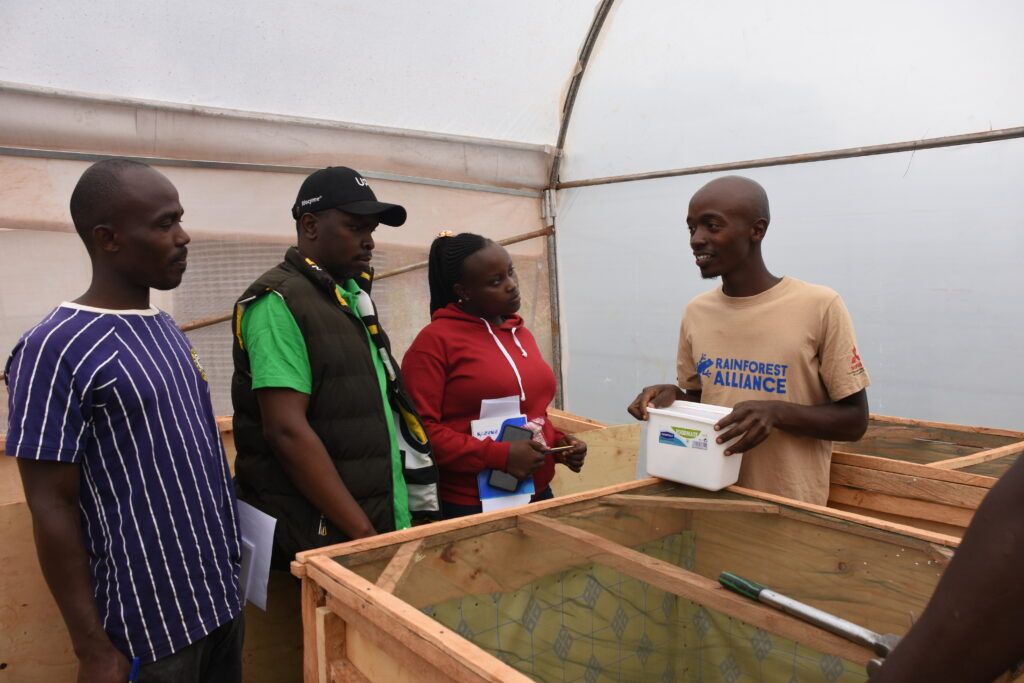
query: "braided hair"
444, 265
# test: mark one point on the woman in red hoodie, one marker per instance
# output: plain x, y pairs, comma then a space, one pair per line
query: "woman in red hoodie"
476, 348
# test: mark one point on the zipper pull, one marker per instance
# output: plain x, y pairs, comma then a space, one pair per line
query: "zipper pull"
323, 526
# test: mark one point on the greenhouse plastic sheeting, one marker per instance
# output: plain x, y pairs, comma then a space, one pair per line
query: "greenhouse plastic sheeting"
924, 248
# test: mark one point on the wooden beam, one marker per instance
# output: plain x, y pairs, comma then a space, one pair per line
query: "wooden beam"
974, 429
399, 565
312, 598
471, 525
330, 641
412, 630
978, 458
912, 469
907, 507
572, 424
679, 503
908, 487
690, 586
862, 523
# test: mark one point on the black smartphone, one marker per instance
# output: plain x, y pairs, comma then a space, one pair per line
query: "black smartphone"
503, 480
514, 433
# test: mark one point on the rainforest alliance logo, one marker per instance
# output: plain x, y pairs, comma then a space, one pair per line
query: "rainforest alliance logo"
199, 366
744, 373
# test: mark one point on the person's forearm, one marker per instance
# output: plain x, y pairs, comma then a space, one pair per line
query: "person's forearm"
831, 422
971, 629
65, 565
305, 460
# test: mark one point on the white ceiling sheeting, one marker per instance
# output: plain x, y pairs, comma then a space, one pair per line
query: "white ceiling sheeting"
486, 68
679, 84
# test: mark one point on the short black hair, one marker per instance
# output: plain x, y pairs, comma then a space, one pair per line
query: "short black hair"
444, 265
94, 196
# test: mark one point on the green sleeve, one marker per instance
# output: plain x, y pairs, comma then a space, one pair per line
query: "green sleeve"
277, 352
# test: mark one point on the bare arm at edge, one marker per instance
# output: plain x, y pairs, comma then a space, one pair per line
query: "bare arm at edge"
971, 628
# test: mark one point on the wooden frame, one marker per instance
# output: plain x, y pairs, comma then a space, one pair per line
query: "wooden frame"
986, 451
911, 472
358, 628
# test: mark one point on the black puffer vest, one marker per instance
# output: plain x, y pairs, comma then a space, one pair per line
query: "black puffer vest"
345, 410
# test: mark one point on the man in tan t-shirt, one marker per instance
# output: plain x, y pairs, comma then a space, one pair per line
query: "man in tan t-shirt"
781, 352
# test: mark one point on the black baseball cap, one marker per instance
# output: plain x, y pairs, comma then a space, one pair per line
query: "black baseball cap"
339, 187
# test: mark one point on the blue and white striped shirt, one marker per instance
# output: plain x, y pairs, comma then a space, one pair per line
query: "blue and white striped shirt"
122, 394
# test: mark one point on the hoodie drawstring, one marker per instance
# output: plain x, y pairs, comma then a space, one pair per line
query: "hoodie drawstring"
522, 392
516, 340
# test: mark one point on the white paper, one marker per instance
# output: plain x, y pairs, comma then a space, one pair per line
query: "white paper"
493, 408
257, 542
505, 502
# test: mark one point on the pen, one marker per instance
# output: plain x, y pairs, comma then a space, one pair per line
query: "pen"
133, 675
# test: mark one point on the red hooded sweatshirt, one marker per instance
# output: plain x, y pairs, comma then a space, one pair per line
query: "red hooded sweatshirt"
454, 363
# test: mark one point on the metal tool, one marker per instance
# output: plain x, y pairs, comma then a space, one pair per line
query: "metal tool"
880, 644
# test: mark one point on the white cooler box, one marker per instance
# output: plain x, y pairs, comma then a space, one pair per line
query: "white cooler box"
679, 444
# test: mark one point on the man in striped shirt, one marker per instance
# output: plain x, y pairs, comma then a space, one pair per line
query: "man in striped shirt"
110, 418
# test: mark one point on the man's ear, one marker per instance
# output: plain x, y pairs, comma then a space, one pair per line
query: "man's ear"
460, 291
308, 226
758, 230
104, 238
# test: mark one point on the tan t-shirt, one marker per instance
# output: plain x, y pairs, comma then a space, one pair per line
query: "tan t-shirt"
793, 342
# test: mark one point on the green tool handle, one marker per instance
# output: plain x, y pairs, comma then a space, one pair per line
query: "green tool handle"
737, 584
881, 644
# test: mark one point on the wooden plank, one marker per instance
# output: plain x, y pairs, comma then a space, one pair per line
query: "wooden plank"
611, 459
330, 641
399, 565
411, 629
907, 507
691, 586
937, 527
312, 598
978, 458
911, 422
864, 522
572, 424
472, 525
872, 462
907, 486
880, 582
680, 503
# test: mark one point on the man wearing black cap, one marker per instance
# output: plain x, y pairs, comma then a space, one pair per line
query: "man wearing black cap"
327, 441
